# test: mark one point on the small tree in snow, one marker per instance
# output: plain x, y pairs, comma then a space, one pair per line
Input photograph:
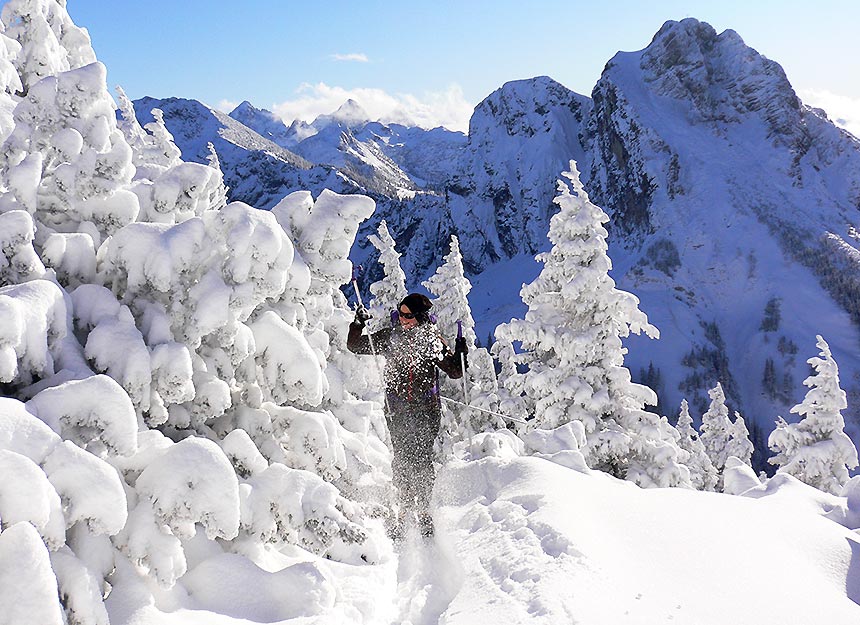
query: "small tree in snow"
573, 328
716, 429
703, 475
450, 287
740, 446
816, 450
391, 289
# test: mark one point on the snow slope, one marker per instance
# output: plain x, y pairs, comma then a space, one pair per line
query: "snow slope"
526, 540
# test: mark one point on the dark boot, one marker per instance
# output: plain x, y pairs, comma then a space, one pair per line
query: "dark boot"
425, 524
395, 525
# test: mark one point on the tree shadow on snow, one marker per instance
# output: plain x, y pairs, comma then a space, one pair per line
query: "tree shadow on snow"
852, 581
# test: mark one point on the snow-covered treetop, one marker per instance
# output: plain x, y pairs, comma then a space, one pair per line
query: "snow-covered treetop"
816, 450
50, 42
450, 286
391, 289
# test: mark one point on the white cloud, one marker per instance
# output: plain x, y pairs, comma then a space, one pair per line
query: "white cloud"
447, 108
842, 110
357, 57
226, 106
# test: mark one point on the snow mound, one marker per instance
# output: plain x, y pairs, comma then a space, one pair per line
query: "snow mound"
593, 549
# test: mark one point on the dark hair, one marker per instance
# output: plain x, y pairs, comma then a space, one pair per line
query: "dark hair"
419, 305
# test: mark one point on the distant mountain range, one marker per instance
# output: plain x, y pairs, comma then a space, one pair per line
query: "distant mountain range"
735, 208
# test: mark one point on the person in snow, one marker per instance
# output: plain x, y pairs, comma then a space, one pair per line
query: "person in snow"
414, 352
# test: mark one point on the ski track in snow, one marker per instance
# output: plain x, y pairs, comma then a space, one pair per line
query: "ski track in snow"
423, 590
525, 564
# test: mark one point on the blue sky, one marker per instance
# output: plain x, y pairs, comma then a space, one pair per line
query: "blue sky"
435, 59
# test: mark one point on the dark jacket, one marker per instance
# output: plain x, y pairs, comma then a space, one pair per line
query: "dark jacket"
411, 359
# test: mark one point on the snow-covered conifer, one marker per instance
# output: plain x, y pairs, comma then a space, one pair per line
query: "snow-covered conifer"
716, 430
816, 450
391, 289
512, 399
450, 287
573, 328
703, 475
218, 198
740, 446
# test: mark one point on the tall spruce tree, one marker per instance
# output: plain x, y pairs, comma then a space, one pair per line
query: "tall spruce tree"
572, 335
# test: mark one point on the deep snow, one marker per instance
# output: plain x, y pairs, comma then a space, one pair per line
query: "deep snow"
526, 540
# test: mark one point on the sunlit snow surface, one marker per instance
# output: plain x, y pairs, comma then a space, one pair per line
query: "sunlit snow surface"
525, 540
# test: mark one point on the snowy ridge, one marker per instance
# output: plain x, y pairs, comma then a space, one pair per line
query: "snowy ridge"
594, 550
263, 122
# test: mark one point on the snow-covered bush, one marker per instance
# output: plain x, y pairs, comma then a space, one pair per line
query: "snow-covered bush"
34, 324
28, 585
182, 360
49, 41
70, 500
292, 506
18, 260
76, 163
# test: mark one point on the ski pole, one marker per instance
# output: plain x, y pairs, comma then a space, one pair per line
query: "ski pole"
465, 385
370, 337
497, 414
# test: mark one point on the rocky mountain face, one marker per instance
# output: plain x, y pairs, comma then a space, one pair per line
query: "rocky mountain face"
501, 194
391, 160
734, 207
263, 122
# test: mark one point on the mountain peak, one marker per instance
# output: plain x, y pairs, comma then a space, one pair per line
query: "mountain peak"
350, 113
243, 108
719, 74
522, 106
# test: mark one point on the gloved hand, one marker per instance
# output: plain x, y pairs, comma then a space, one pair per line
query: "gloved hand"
460, 346
361, 316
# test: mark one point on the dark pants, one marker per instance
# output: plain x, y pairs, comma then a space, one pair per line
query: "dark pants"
413, 427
